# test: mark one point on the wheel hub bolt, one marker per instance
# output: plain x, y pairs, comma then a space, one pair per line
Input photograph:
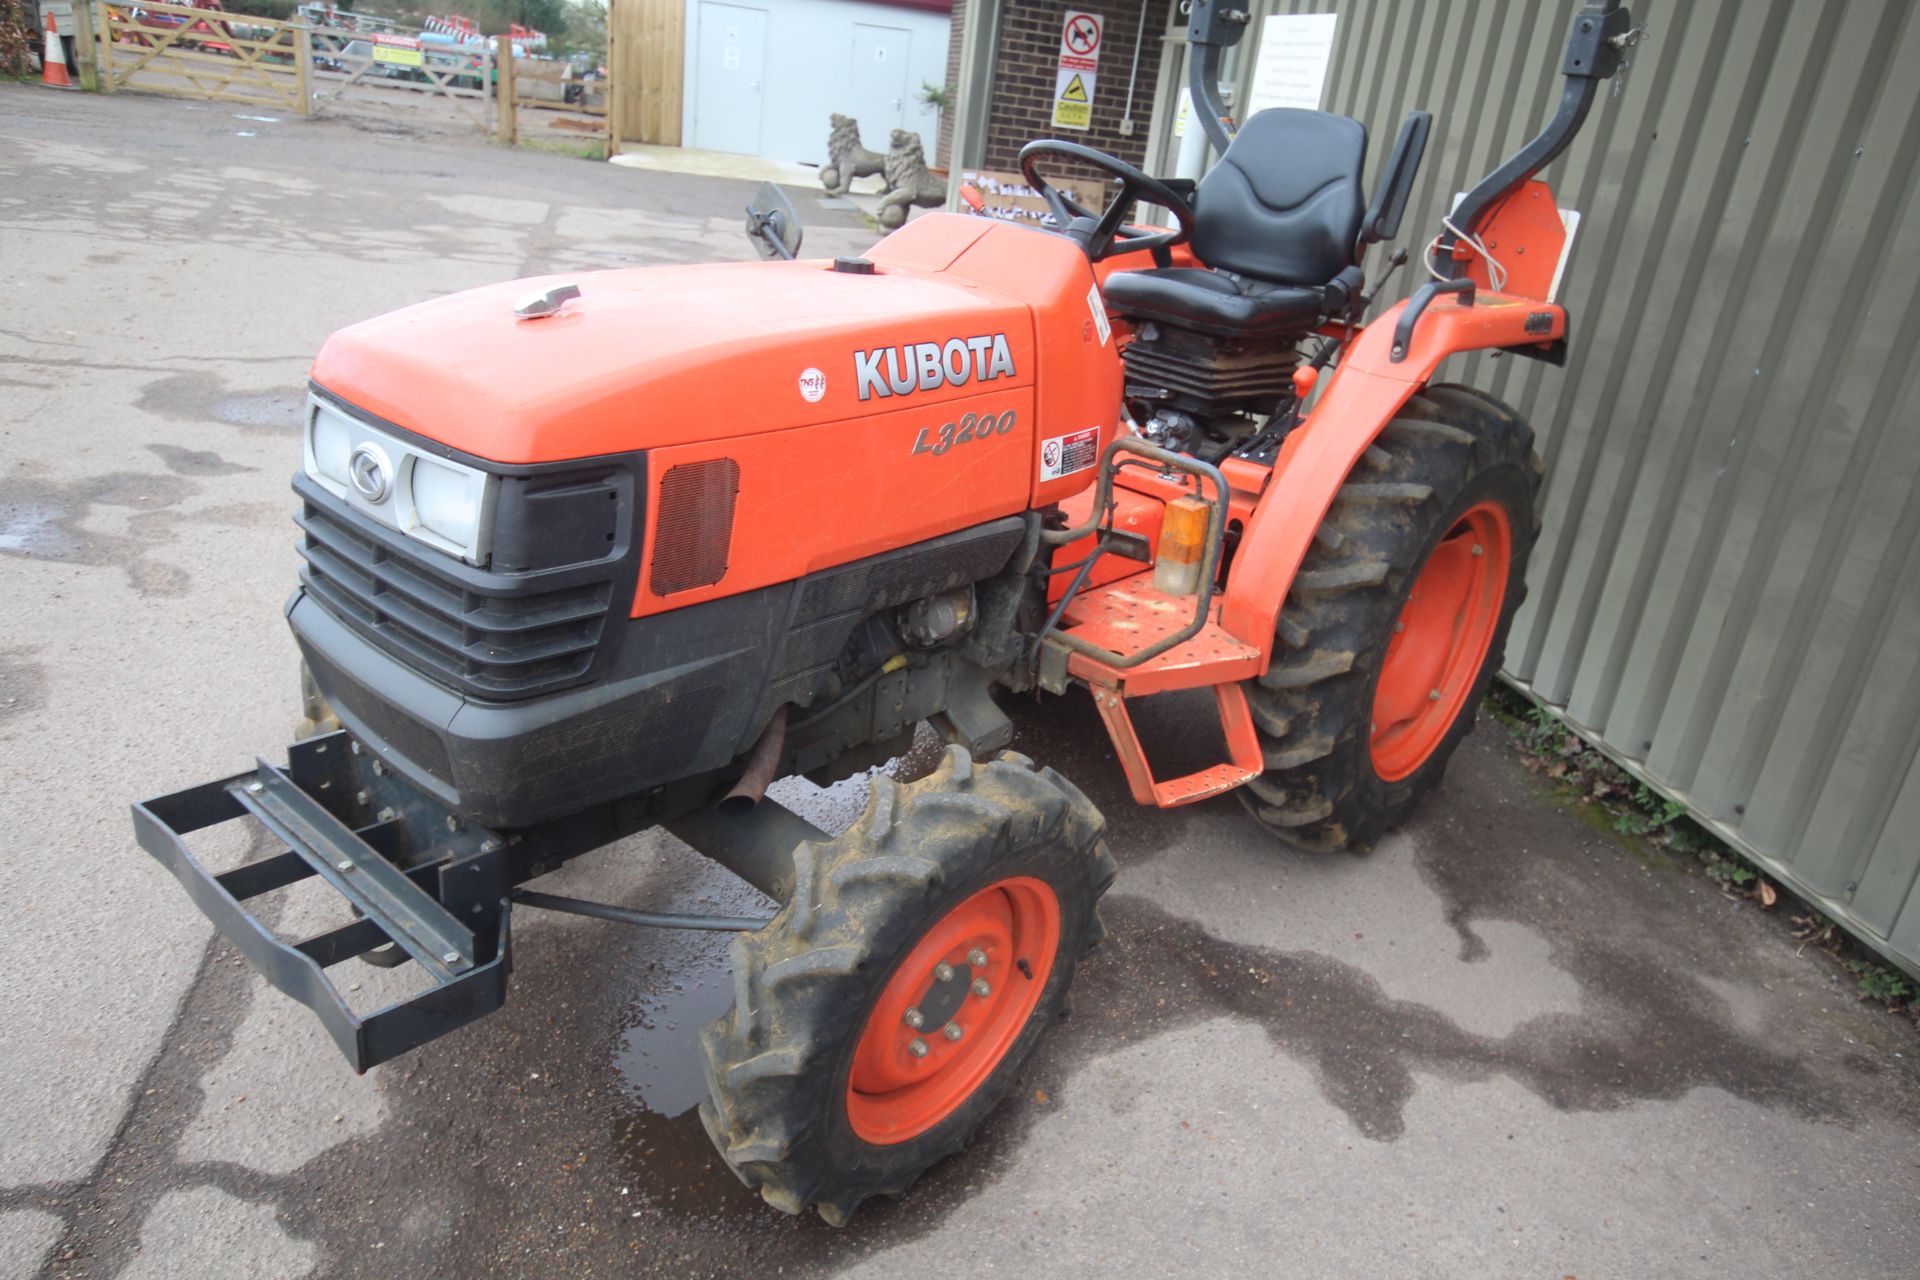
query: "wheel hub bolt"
981, 989
1479, 550
914, 1019
943, 972
1433, 696
951, 1031
977, 958
917, 1047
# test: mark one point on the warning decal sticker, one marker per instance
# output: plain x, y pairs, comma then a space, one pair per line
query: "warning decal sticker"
1099, 308
1064, 455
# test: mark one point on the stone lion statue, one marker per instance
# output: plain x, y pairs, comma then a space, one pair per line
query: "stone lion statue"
908, 182
846, 158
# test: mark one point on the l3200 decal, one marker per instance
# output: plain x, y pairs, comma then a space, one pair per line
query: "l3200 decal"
971, 427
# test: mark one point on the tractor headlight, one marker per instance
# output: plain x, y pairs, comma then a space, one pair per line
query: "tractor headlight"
329, 445
400, 481
443, 505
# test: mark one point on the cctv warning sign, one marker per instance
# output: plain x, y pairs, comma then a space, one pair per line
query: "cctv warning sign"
1074, 79
1073, 100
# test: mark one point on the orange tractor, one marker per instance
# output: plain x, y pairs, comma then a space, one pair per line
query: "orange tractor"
584, 557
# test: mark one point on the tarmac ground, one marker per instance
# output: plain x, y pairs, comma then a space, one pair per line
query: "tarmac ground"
1507, 1042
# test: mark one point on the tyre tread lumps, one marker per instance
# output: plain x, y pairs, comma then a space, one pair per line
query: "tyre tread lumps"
1311, 669
1341, 577
1404, 494
801, 982
1319, 790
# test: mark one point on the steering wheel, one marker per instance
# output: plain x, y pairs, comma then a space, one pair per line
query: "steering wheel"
1111, 233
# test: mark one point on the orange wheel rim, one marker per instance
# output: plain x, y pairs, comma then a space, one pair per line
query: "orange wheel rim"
1440, 641
971, 984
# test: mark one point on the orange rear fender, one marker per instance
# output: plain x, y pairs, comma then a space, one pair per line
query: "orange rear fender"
1367, 390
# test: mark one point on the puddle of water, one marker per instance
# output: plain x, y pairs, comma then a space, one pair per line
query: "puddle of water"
260, 409
40, 518
658, 1058
195, 462
35, 531
198, 397
23, 683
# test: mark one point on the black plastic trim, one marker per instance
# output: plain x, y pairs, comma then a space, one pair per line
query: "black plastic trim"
680, 693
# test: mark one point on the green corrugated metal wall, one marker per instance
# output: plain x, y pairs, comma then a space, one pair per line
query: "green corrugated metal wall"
1726, 596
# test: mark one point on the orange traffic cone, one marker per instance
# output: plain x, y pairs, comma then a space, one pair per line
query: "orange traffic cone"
53, 67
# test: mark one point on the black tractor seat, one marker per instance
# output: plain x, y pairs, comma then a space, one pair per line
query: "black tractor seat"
1279, 220
1221, 303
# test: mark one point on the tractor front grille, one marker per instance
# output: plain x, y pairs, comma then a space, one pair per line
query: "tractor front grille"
491, 635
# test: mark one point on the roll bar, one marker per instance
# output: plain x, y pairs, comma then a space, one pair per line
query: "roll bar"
1212, 29
1601, 32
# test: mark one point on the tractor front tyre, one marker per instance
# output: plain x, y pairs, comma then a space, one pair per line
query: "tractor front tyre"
892, 1002
1397, 621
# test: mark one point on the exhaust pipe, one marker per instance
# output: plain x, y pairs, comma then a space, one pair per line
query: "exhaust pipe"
761, 762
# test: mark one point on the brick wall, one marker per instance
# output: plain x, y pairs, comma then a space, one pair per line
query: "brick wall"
1023, 81
943, 146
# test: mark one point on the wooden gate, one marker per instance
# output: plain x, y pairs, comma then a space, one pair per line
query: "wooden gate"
350, 64
202, 53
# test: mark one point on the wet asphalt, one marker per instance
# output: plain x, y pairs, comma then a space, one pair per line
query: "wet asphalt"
1507, 1042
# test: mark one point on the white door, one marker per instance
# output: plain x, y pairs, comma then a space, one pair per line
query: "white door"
877, 87
729, 66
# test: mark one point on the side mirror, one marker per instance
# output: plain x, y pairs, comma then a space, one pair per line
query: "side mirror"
1396, 183
772, 224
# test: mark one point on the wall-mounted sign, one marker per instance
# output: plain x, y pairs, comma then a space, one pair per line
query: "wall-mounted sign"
1295, 51
1075, 76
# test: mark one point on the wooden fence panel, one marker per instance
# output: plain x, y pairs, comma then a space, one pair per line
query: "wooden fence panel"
647, 52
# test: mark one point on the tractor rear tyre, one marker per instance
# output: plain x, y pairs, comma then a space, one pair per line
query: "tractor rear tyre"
1397, 621
891, 1004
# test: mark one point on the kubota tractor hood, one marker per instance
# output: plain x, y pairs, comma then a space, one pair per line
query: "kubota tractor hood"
652, 356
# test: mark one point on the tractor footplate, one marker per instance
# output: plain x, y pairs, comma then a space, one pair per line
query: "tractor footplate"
414, 874
1127, 616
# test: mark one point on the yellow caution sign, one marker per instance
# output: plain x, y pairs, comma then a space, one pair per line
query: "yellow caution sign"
1073, 99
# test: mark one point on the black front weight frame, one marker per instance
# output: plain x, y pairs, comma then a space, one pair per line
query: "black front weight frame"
418, 877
